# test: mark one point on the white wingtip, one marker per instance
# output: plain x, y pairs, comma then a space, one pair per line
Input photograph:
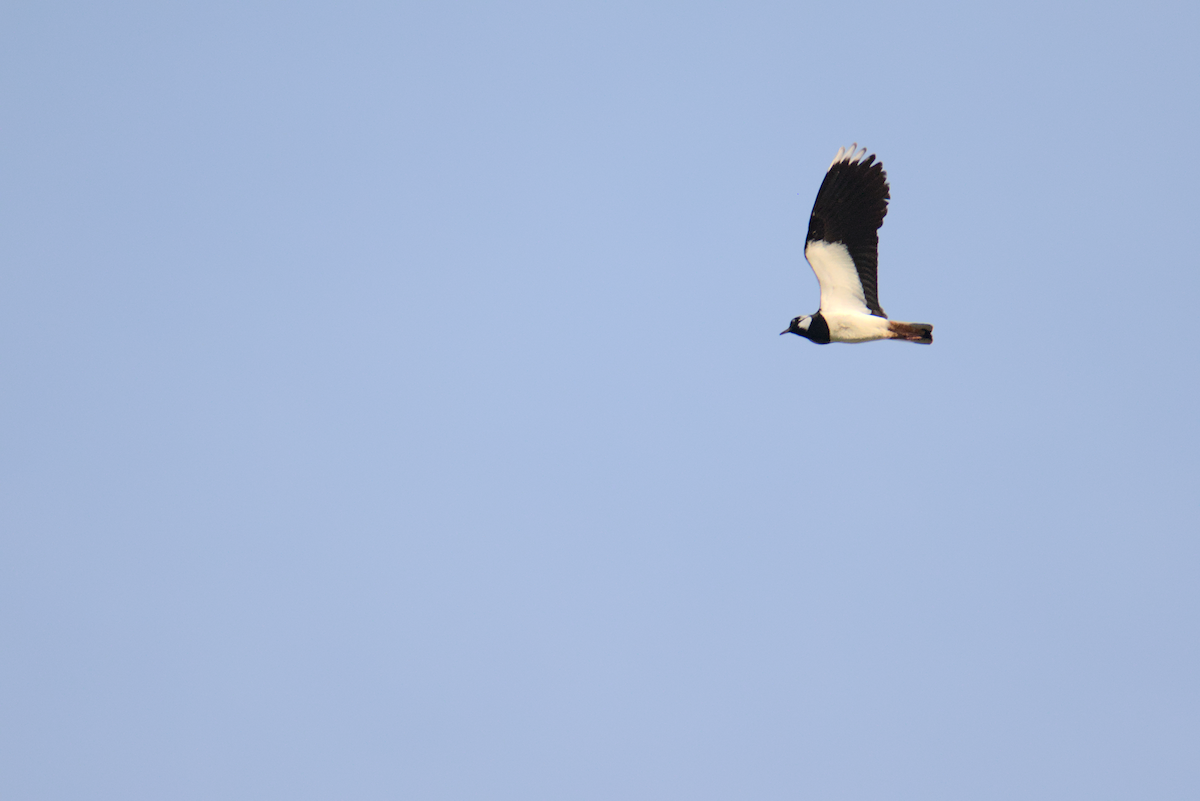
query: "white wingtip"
850, 155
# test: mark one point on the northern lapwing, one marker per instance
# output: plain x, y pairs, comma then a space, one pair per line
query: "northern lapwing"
843, 249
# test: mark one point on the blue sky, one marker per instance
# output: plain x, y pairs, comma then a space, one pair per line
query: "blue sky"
394, 405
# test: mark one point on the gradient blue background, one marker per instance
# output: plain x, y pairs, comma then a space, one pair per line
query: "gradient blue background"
393, 405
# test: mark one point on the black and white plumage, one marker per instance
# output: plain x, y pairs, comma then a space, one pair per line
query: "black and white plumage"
843, 249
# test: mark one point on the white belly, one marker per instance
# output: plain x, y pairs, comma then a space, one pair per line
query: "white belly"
856, 327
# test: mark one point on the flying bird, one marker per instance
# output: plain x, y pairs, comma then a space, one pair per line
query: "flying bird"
843, 249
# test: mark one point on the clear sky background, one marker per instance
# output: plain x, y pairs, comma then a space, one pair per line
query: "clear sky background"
393, 405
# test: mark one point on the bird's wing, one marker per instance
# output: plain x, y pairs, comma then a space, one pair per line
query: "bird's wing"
843, 233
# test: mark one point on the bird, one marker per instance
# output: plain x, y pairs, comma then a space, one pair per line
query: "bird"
842, 247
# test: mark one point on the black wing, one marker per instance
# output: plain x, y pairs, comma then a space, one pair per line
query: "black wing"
849, 210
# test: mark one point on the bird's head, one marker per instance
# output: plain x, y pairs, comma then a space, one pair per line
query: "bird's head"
799, 326
810, 326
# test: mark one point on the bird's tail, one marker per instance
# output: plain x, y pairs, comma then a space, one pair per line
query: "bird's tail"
911, 332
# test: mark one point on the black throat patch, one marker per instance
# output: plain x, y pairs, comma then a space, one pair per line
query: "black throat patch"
818, 330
